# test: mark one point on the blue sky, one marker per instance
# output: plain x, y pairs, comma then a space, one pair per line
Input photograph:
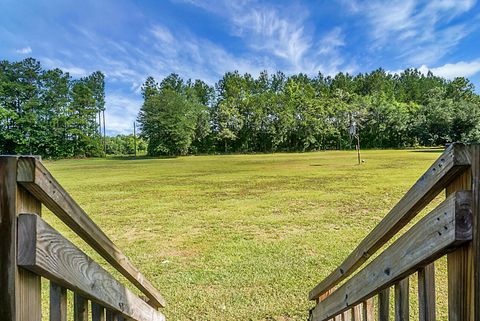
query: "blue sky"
129, 40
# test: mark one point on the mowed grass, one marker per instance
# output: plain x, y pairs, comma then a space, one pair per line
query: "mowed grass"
240, 237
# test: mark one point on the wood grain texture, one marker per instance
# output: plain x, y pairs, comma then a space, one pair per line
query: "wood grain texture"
29, 299
426, 293
58, 302
384, 305
447, 226
59, 260
8, 230
453, 161
460, 266
38, 181
20, 290
80, 308
29, 304
402, 305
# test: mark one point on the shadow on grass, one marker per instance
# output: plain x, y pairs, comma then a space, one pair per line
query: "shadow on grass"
133, 158
145, 157
430, 150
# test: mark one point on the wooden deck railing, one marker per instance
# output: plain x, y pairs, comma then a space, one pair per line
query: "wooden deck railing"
31, 249
450, 229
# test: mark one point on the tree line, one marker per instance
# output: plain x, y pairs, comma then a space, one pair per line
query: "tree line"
46, 112
49, 113
241, 113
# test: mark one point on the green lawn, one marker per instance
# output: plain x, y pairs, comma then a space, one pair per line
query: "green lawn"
239, 237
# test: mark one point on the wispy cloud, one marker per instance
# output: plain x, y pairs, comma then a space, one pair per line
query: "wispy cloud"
282, 33
24, 51
162, 34
265, 29
71, 69
421, 32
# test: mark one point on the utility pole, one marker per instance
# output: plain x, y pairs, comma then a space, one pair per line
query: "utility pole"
104, 135
135, 139
358, 146
355, 132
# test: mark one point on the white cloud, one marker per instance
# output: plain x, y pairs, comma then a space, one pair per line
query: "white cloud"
452, 70
120, 113
57, 63
24, 51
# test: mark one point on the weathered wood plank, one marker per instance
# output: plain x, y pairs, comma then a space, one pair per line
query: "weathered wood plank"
460, 266
45, 252
447, 226
29, 296
384, 305
402, 307
20, 290
29, 284
426, 293
8, 230
38, 181
357, 313
98, 312
459, 285
58, 302
368, 313
80, 308
453, 161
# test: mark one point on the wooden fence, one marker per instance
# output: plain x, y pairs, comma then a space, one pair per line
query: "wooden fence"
30, 249
450, 229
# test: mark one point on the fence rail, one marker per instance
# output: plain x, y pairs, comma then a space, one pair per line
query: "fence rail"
32, 249
451, 229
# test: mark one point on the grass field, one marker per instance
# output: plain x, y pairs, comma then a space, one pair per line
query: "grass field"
239, 237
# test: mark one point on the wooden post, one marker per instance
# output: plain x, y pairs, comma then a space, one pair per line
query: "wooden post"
112, 316
367, 310
98, 312
357, 313
20, 290
80, 308
383, 305
426, 293
460, 266
401, 300
58, 302
475, 169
